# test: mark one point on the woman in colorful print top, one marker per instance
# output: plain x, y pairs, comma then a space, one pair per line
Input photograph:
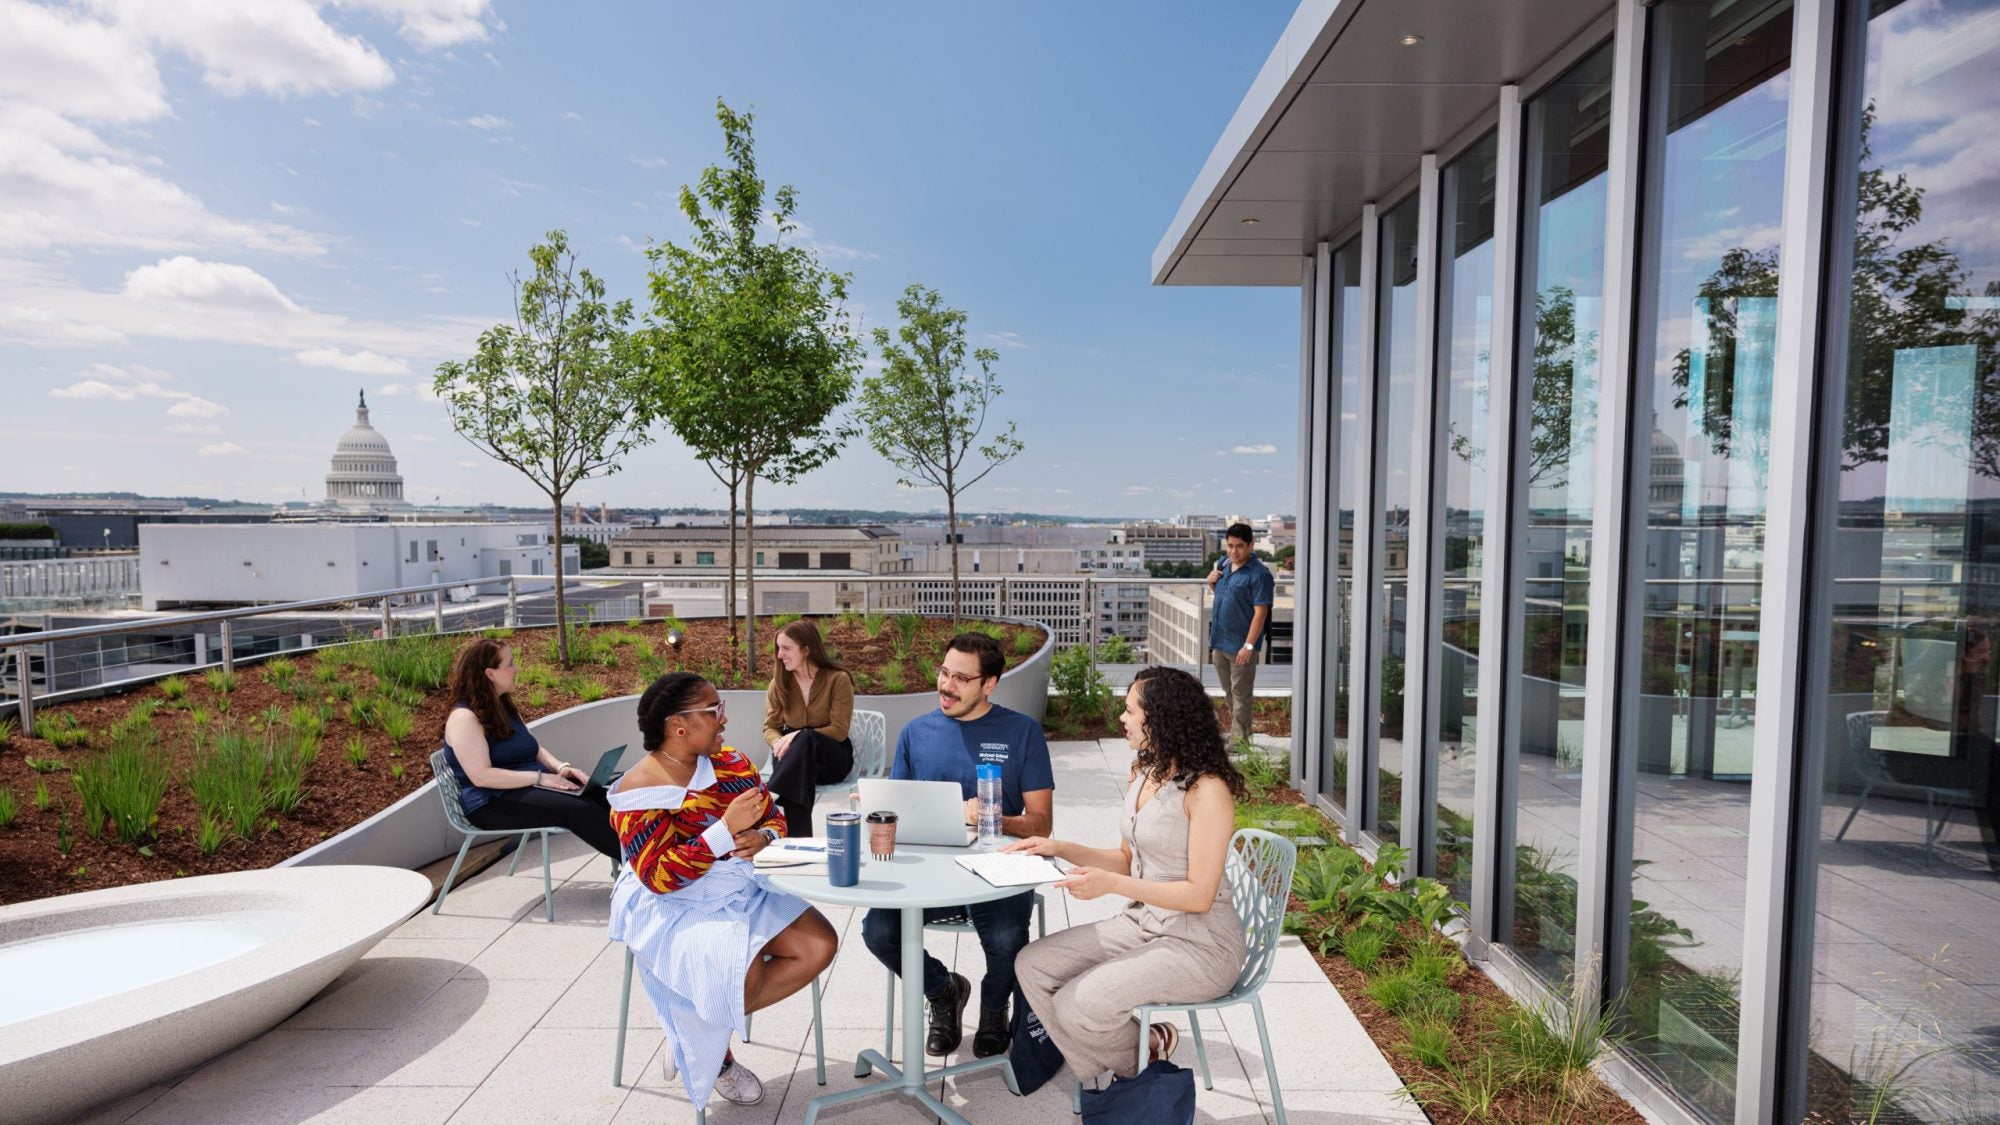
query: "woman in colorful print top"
712, 940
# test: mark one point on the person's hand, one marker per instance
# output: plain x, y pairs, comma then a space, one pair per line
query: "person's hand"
783, 744
1245, 655
972, 810
557, 782
749, 842
571, 773
745, 811
1214, 576
1086, 883
1034, 845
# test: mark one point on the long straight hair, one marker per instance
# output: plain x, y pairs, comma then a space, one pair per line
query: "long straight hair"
804, 634
470, 685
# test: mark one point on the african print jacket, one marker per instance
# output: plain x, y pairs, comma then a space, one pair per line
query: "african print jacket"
668, 848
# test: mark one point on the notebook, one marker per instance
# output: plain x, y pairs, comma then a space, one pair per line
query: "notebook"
1011, 869
792, 853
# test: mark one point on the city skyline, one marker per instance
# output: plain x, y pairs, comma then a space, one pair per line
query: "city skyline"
221, 227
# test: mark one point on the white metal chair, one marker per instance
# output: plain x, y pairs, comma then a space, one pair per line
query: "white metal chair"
454, 814
1260, 882
1873, 766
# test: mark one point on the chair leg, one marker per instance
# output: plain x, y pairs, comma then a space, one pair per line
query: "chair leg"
1041, 916
747, 1017
1076, 1097
1145, 1037
1855, 811
1270, 1062
819, 1038
520, 845
548, 883
624, 1011
452, 875
1200, 1049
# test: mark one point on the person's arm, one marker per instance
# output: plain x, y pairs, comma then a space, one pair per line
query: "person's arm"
1038, 819
1116, 860
839, 706
902, 769
1258, 617
664, 868
1211, 819
774, 714
467, 740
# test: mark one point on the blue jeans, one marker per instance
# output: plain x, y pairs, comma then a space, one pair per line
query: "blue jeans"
1002, 926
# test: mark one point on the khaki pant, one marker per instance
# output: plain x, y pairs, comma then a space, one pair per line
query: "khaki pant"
1238, 683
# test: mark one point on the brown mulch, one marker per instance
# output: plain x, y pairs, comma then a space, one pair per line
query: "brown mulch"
1267, 716
338, 795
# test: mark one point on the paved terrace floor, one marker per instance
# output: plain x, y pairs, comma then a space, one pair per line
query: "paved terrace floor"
487, 1013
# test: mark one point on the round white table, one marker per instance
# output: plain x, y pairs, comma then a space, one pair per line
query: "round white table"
916, 878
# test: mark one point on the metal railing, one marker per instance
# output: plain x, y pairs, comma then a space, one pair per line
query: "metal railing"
70, 665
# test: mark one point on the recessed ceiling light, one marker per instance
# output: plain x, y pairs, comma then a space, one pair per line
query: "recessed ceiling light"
1248, 222
1410, 40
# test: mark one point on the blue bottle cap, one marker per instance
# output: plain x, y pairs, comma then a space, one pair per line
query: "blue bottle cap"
989, 770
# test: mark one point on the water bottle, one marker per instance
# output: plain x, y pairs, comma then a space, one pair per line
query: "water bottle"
989, 804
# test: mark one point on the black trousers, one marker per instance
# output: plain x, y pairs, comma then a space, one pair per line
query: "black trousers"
587, 815
813, 760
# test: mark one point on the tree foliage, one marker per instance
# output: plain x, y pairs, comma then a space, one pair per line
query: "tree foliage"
750, 349
557, 396
925, 411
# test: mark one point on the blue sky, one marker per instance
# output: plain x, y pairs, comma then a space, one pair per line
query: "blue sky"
219, 218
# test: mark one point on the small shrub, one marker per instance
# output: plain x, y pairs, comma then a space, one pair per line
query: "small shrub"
222, 706
8, 810
174, 688
497, 634
1364, 945
1435, 963
538, 698
325, 673
45, 765
1261, 772
61, 731
908, 625
396, 770
274, 716
873, 623
219, 680
200, 717
43, 798
356, 752
229, 777
1080, 685
590, 691
1395, 990
1429, 1044
1550, 1045
288, 757
893, 680
421, 662
1026, 643
124, 785
651, 667
1435, 1005
64, 841
210, 835
396, 721
280, 671
781, 620
341, 690
1471, 1090
305, 722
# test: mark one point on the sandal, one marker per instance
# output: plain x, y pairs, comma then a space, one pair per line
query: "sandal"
1162, 1040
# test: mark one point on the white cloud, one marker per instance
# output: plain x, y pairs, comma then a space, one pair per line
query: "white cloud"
194, 406
363, 362
272, 46
650, 163
109, 382
220, 449
194, 428
420, 390
74, 66
95, 389
1259, 448
488, 122
433, 23
182, 278
1003, 339
803, 234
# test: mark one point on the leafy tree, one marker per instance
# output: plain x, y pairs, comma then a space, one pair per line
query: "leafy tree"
750, 349
590, 554
559, 395
925, 411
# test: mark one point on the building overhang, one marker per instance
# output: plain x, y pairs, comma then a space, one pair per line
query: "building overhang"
1341, 115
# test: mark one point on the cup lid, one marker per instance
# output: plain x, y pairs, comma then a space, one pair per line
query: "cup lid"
882, 816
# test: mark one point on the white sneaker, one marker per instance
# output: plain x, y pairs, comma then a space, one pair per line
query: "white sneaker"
738, 1085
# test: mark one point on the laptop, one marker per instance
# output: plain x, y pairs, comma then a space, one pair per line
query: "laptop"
927, 812
607, 767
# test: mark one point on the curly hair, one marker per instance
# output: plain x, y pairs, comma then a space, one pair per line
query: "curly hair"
669, 694
1183, 739
470, 685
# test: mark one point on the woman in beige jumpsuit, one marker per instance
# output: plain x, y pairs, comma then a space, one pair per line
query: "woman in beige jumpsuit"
1179, 940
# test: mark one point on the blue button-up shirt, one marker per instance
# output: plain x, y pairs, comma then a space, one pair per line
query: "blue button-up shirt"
1238, 593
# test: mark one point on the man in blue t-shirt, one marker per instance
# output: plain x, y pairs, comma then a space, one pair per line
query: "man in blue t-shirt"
949, 744
1243, 587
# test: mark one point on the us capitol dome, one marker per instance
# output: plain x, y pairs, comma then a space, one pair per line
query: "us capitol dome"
364, 476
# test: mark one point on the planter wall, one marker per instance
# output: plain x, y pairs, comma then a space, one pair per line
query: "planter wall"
412, 832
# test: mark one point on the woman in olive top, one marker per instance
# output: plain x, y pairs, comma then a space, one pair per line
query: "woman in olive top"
806, 713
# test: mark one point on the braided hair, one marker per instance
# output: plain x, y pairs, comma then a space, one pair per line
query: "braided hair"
669, 694
1183, 739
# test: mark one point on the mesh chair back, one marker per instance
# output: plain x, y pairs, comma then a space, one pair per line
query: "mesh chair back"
447, 783
1868, 760
870, 733
1260, 880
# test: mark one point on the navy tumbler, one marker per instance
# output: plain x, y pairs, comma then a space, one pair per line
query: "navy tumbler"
843, 848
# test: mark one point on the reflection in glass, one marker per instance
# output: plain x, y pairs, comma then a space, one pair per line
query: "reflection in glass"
1903, 891
1347, 354
1466, 352
1717, 140
1395, 414
1562, 311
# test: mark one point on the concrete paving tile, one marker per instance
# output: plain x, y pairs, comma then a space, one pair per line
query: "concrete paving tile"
287, 1060
540, 952
386, 985
1317, 1042
122, 1109
592, 999
1294, 964
492, 894
554, 1077
324, 1105
460, 1034
841, 1048
451, 926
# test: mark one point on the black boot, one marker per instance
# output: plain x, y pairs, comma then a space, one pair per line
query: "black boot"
995, 1033
948, 1017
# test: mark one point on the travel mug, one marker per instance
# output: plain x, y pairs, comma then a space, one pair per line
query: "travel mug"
882, 834
843, 848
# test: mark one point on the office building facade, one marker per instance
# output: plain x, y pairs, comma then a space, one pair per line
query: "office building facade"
1648, 363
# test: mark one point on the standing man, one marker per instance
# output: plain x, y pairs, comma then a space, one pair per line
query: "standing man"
1243, 588
969, 730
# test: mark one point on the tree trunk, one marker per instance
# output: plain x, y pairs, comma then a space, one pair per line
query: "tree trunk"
729, 584
562, 615
951, 530
750, 594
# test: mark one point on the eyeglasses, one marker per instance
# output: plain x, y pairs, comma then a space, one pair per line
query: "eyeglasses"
720, 710
961, 680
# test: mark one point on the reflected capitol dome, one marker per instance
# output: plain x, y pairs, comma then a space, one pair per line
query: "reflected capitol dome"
364, 477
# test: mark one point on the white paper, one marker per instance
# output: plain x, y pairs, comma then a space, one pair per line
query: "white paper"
792, 852
1011, 869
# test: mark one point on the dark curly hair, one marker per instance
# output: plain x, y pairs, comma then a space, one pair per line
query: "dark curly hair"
1183, 739
667, 695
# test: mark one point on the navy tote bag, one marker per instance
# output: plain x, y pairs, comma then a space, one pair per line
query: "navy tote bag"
1161, 1094
1035, 1056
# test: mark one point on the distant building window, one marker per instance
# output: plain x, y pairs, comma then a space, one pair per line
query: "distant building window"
431, 546
677, 558
413, 550
794, 560
704, 558
628, 558
649, 558
835, 560
760, 558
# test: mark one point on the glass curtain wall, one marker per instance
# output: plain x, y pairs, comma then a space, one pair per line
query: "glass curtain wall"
1708, 327
1346, 319
1465, 354
1395, 417
1562, 313
1901, 879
